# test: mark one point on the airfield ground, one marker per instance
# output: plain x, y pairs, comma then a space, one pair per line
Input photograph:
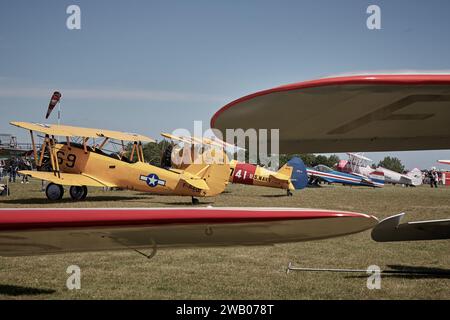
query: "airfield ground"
243, 272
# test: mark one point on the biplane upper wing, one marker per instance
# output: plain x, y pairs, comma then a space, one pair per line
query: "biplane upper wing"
391, 112
68, 179
188, 140
198, 141
71, 131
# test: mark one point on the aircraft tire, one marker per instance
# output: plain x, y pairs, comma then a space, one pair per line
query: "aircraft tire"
78, 193
54, 191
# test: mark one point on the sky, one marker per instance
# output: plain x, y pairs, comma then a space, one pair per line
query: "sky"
152, 66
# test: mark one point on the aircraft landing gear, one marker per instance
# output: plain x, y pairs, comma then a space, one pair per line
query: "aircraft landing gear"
54, 191
195, 201
289, 193
78, 193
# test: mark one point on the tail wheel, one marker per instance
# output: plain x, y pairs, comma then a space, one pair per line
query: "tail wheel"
78, 192
54, 192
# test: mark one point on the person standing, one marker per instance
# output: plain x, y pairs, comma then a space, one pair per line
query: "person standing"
436, 178
12, 170
433, 178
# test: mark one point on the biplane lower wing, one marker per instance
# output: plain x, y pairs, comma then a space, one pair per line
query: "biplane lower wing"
50, 231
67, 179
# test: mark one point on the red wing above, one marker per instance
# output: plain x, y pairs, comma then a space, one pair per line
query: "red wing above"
356, 113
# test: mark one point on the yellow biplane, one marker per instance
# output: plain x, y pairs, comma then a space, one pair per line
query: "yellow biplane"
291, 176
79, 162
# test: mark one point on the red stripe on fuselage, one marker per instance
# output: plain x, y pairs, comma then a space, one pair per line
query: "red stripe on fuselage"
244, 173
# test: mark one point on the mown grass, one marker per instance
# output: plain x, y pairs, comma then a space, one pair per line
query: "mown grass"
242, 272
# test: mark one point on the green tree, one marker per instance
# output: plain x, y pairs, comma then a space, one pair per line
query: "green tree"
152, 151
307, 158
392, 163
311, 160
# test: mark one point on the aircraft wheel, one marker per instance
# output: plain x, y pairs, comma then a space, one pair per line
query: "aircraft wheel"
54, 191
78, 193
195, 201
289, 193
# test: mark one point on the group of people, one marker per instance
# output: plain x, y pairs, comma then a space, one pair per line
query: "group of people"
11, 170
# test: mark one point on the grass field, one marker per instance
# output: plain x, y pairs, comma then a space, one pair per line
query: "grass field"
243, 272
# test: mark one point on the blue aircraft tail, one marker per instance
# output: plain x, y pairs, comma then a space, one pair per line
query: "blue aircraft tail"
299, 177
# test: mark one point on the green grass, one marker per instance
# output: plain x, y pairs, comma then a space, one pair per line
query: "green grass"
242, 272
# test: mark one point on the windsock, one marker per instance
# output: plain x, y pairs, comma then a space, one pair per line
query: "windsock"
53, 102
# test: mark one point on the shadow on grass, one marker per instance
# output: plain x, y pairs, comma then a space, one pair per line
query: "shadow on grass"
12, 290
275, 195
415, 272
187, 203
67, 200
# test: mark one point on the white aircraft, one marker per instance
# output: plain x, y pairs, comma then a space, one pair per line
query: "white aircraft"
357, 163
444, 161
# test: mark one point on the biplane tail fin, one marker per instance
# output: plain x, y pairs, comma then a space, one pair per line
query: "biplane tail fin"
214, 177
299, 176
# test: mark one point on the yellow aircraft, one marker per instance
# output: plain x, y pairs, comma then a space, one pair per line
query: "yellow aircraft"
291, 176
78, 165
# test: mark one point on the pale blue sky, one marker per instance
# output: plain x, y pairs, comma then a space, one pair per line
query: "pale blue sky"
151, 66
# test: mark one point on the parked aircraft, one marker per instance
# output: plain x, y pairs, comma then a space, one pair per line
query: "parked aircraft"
79, 165
289, 177
324, 173
368, 112
359, 164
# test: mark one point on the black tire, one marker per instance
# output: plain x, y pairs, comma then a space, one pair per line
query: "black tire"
54, 192
78, 193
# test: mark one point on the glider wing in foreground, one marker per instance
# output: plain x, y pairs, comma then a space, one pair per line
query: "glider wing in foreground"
46, 231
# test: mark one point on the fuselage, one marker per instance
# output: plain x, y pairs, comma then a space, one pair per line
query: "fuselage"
137, 176
331, 176
246, 173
